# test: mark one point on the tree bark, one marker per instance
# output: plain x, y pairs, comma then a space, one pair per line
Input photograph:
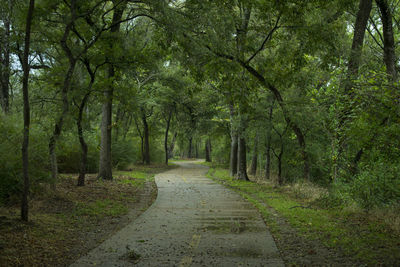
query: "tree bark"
196, 149
253, 167
208, 150
166, 137
190, 148
172, 146
25, 92
268, 143
64, 92
389, 55
105, 164
84, 147
363, 13
5, 62
146, 153
242, 161
141, 138
279, 159
233, 162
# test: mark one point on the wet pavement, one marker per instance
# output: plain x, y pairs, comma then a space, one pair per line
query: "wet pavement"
193, 222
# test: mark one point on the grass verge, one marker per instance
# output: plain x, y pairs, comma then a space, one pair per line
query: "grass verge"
66, 223
355, 234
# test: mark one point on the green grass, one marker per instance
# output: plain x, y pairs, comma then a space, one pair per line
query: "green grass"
100, 208
353, 233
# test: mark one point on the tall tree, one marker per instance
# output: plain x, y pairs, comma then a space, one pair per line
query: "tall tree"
25, 91
5, 54
389, 55
105, 163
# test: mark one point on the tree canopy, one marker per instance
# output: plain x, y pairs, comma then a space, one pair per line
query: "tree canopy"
292, 90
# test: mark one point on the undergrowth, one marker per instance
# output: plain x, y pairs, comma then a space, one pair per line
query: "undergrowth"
71, 220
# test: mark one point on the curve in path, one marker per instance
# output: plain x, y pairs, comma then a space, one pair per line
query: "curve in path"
193, 222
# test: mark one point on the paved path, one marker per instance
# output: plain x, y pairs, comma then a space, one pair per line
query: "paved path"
193, 222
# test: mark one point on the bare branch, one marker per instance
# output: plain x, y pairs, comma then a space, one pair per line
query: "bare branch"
267, 38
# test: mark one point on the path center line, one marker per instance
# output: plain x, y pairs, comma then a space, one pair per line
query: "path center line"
194, 243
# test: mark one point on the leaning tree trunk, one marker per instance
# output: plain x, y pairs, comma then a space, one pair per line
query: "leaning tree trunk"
105, 163
25, 92
389, 55
363, 14
360, 26
64, 92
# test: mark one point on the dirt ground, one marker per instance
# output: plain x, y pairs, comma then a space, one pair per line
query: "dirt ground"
71, 221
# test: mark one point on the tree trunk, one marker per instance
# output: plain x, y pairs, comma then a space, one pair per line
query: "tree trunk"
141, 138
233, 159
279, 158
295, 128
64, 92
172, 146
208, 150
242, 161
196, 147
166, 137
146, 153
190, 147
84, 147
253, 167
388, 39
25, 92
105, 163
353, 66
363, 13
268, 143
233, 163
59, 123
5, 62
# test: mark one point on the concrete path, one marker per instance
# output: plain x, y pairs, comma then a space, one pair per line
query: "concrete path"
193, 222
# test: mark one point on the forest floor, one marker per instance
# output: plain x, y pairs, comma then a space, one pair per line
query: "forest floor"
69, 222
309, 234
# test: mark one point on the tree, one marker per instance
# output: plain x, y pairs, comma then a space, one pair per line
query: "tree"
25, 90
105, 163
5, 55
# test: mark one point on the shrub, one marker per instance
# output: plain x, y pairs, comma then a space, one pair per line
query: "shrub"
124, 153
69, 154
11, 158
377, 185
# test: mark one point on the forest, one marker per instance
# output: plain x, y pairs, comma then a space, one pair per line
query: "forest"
285, 91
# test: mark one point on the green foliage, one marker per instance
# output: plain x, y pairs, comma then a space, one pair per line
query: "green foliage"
69, 154
124, 153
377, 185
11, 158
